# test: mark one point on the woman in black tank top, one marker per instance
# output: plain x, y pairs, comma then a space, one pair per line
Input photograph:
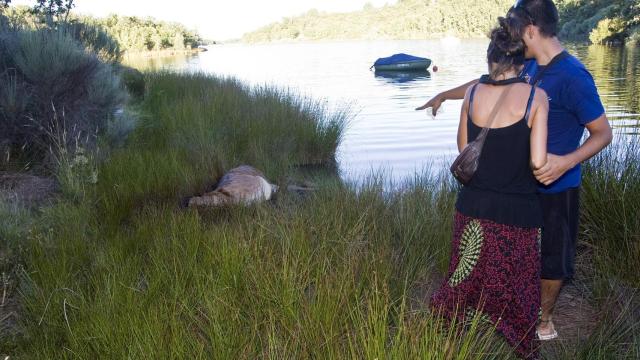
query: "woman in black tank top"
495, 263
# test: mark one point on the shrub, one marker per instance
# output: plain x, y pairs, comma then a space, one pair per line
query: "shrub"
634, 36
95, 39
133, 80
597, 20
53, 92
608, 30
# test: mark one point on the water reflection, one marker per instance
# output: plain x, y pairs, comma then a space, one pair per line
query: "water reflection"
142, 62
616, 71
399, 77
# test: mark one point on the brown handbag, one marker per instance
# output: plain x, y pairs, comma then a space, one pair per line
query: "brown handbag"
466, 164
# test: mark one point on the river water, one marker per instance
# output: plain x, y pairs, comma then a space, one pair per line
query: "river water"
386, 133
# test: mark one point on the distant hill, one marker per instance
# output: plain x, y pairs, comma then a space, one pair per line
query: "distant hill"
600, 21
408, 19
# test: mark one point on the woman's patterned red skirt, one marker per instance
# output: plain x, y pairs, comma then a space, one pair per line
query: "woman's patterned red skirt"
494, 270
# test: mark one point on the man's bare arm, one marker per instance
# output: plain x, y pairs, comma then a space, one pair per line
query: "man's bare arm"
600, 135
451, 94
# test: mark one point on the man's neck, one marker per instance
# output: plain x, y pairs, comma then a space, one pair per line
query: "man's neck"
549, 49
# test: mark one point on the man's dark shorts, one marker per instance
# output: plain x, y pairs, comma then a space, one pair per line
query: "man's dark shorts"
561, 213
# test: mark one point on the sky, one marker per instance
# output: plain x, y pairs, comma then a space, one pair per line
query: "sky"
215, 19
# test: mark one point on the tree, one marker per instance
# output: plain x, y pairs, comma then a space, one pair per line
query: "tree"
53, 7
608, 30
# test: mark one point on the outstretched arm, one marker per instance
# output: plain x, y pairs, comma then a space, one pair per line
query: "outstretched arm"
451, 94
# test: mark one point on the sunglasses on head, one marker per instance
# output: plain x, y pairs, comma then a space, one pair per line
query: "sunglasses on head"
519, 5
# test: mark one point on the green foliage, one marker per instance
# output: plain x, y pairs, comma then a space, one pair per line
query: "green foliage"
201, 125
634, 35
91, 35
611, 204
136, 34
53, 7
54, 95
416, 19
608, 30
95, 39
134, 81
603, 20
410, 19
116, 34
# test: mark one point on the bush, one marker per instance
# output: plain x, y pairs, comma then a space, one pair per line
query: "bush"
95, 39
597, 20
53, 93
133, 80
634, 36
608, 30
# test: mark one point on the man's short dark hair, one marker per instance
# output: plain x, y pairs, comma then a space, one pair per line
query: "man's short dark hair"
543, 14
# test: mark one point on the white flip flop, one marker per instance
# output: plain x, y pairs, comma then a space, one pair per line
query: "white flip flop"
551, 336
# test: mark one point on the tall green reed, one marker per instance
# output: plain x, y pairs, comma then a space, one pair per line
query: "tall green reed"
199, 126
610, 211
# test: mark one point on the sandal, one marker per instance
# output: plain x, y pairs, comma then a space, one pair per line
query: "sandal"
551, 336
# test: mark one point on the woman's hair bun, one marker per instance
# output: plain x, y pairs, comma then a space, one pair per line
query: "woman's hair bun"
506, 37
506, 49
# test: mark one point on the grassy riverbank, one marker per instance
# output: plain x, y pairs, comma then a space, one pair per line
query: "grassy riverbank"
119, 270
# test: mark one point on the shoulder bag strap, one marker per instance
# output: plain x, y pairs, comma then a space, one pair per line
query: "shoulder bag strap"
473, 92
529, 103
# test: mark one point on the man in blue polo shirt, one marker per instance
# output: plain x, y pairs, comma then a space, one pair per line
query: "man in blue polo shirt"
574, 104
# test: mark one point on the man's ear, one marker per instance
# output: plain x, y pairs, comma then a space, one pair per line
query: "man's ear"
531, 30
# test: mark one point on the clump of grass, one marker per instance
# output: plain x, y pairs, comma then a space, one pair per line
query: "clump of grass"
14, 219
198, 126
610, 212
616, 334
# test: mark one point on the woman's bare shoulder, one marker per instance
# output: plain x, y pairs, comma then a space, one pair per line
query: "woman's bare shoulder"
541, 98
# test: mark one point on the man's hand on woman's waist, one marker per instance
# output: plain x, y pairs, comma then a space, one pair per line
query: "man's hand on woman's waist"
556, 166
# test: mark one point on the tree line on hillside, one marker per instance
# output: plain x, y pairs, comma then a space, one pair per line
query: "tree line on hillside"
408, 19
133, 34
600, 21
138, 34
